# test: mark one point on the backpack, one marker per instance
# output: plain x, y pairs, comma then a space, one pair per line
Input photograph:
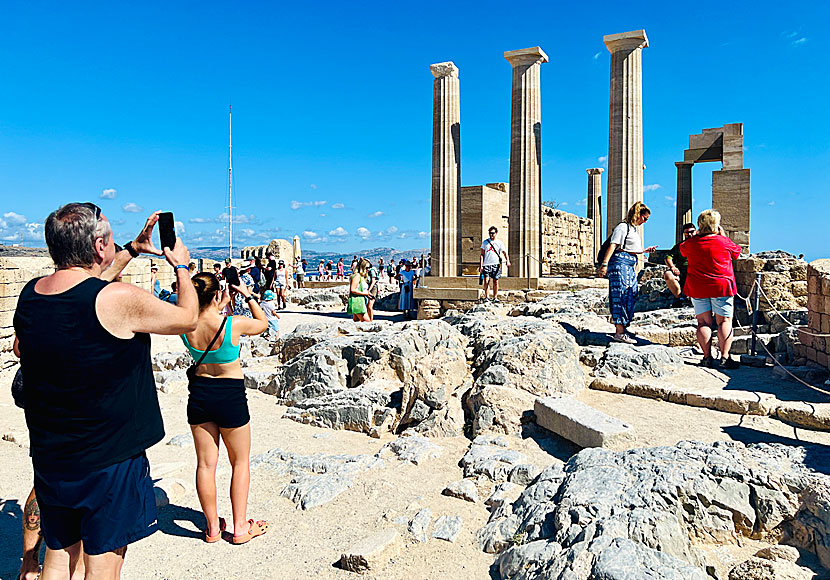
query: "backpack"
604, 247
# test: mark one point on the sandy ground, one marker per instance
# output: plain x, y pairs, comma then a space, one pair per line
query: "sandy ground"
306, 544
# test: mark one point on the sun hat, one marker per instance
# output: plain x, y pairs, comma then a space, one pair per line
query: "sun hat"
269, 295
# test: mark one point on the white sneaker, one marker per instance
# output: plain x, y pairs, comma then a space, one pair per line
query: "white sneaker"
624, 338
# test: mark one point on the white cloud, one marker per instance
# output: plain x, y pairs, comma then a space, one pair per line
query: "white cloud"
402, 236
298, 204
376, 214
801, 40
313, 186
309, 235
180, 231
582, 202
200, 220
338, 232
603, 161
109, 193
246, 232
337, 206
596, 56
131, 207
13, 219
652, 187
422, 235
239, 218
391, 230
668, 198
563, 204
363, 233
771, 203
322, 215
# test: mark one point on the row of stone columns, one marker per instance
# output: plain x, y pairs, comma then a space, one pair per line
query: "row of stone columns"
625, 155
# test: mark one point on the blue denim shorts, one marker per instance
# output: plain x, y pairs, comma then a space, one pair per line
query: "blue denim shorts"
724, 306
107, 508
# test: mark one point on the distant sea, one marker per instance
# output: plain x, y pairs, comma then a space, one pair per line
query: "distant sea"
219, 253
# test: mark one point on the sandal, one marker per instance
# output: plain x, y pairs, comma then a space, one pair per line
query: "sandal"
217, 537
256, 529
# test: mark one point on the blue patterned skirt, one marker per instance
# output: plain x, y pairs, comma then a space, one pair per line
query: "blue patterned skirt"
622, 287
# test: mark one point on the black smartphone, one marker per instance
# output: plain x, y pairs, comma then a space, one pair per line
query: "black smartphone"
167, 230
232, 276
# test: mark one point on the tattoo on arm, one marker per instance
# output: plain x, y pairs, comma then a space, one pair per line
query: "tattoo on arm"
31, 516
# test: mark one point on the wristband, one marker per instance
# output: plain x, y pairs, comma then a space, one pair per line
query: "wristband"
605, 265
132, 251
182, 266
249, 298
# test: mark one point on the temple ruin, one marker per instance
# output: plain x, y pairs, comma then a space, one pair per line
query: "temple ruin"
730, 185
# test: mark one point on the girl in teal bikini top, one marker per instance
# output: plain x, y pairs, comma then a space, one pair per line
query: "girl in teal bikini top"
226, 353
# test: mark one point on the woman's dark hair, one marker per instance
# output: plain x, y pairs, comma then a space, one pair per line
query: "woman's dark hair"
258, 263
206, 286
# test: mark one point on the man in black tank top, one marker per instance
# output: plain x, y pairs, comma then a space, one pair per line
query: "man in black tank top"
90, 398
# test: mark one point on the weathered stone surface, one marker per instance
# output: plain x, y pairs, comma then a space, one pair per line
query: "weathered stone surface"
354, 410
513, 361
780, 553
628, 361
172, 361
524, 473
314, 479
168, 490
808, 415
464, 489
641, 513
412, 448
447, 528
170, 381
371, 553
584, 425
499, 495
764, 569
183, 440
419, 525
493, 461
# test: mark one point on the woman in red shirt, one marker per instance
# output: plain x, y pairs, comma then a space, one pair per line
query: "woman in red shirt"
710, 283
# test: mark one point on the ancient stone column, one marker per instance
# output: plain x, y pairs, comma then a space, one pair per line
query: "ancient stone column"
595, 204
684, 197
525, 215
446, 169
625, 135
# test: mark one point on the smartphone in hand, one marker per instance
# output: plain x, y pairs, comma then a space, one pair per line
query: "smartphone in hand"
167, 230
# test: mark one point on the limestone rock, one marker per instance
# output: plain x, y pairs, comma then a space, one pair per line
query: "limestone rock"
172, 361
778, 553
492, 461
524, 473
419, 525
170, 381
371, 553
183, 440
353, 410
412, 448
447, 528
629, 361
464, 489
762, 569
582, 424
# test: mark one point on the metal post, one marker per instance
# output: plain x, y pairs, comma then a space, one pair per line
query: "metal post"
756, 302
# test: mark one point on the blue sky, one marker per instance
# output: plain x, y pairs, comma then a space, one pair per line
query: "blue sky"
126, 105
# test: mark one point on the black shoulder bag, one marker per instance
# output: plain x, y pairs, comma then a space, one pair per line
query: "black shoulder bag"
191, 370
604, 247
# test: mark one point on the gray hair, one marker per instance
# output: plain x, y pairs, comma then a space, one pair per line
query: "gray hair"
71, 232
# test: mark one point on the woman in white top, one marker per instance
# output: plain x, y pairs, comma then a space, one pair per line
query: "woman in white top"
618, 264
280, 284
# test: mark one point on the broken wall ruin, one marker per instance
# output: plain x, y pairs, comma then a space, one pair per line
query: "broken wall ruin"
814, 341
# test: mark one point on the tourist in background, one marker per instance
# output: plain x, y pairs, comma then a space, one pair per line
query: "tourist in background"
155, 284
217, 406
281, 284
259, 278
217, 271
490, 260
240, 304
227, 269
406, 302
678, 265
270, 267
191, 267
329, 270
91, 403
624, 245
299, 270
358, 293
390, 271
354, 263
710, 283
374, 280
341, 274
269, 307
321, 271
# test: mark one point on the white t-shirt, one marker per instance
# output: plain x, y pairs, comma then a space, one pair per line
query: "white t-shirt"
407, 277
491, 257
633, 243
269, 307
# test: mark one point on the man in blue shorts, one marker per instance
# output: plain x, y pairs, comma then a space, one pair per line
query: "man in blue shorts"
490, 261
89, 395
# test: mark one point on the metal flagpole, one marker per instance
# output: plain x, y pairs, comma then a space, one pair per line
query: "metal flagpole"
230, 185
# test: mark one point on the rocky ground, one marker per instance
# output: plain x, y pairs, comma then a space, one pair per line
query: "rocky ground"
411, 450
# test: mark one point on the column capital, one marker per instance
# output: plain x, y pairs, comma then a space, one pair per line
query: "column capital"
527, 56
595, 170
626, 41
444, 69
682, 163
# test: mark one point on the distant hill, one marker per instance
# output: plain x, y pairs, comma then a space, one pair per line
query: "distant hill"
219, 253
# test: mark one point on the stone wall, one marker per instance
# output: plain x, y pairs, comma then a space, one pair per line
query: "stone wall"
812, 347
482, 206
567, 243
281, 249
783, 279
